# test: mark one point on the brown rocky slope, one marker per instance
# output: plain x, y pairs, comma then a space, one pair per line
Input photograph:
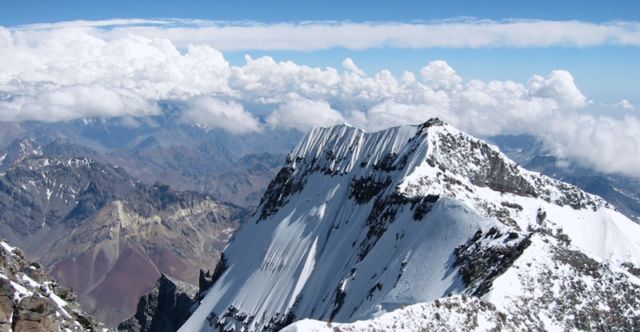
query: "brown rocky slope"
30, 301
107, 235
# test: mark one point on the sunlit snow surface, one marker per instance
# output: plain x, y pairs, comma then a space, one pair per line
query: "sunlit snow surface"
314, 256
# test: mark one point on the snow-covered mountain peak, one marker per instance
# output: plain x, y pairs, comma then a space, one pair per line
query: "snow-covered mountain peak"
344, 147
432, 159
434, 150
356, 224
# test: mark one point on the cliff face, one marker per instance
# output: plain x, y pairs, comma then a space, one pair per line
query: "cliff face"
164, 309
30, 301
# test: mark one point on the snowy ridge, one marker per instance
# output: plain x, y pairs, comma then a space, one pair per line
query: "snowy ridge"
550, 287
357, 224
451, 313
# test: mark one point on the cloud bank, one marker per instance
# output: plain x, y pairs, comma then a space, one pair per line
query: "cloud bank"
315, 35
211, 112
93, 69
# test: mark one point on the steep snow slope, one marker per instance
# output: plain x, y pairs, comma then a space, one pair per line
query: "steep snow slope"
357, 224
549, 287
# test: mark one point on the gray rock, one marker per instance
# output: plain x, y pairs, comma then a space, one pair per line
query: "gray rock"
164, 309
28, 302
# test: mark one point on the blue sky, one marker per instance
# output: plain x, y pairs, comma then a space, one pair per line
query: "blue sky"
605, 73
25, 12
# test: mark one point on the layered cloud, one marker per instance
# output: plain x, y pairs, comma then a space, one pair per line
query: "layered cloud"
307, 36
74, 102
94, 69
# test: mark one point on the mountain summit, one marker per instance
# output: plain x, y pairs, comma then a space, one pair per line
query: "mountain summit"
422, 227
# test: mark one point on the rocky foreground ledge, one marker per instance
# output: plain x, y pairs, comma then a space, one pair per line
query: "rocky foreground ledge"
30, 301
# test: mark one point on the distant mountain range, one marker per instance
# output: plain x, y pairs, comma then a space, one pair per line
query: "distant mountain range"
233, 168
102, 232
237, 168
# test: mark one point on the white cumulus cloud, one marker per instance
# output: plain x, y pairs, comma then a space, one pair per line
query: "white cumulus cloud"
625, 105
559, 86
75, 101
606, 144
123, 68
439, 75
214, 113
349, 65
304, 114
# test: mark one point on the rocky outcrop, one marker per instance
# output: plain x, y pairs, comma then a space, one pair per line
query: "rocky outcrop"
29, 301
164, 309
479, 264
620, 190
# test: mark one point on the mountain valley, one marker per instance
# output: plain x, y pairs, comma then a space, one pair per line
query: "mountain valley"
103, 233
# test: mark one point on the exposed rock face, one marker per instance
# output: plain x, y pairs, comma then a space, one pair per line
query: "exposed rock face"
205, 281
108, 236
164, 309
621, 191
35, 314
29, 301
480, 264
